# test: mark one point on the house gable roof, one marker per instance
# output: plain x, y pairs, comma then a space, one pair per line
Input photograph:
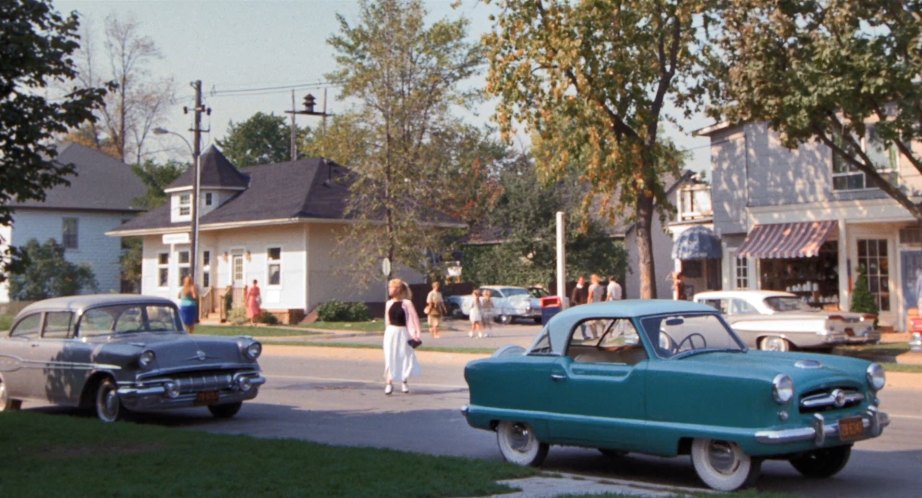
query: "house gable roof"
100, 183
312, 188
216, 172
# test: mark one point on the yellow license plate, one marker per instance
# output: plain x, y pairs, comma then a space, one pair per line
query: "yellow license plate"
206, 397
851, 428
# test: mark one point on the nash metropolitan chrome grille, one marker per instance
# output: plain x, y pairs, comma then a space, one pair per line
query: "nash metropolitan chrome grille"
830, 399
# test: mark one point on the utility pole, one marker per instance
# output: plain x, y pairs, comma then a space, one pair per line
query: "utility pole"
196, 179
294, 129
309, 103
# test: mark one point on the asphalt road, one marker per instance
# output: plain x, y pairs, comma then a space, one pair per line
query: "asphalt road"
336, 396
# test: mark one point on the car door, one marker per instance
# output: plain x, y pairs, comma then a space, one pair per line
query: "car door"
604, 375
22, 370
67, 359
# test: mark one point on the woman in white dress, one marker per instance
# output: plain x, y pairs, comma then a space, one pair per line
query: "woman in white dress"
401, 325
476, 315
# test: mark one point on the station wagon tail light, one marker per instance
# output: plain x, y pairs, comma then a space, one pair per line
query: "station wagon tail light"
253, 350
146, 359
782, 388
877, 379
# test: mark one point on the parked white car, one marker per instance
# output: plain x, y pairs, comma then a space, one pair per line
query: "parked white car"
509, 303
780, 321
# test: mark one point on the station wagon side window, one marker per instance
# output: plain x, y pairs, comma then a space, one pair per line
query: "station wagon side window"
720, 305
58, 325
740, 307
29, 326
609, 340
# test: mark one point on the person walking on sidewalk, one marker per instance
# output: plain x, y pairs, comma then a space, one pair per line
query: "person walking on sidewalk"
486, 311
435, 308
401, 325
613, 292
476, 315
188, 304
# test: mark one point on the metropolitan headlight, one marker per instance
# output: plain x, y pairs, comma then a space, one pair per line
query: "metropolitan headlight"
876, 377
253, 350
782, 388
146, 359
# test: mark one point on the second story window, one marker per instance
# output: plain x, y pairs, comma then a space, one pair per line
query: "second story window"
185, 204
69, 237
883, 155
209, 198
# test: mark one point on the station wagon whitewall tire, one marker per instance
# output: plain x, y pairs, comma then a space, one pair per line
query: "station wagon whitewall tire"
774, 343
722, 465
518, 444
108, 406
7, 404
822, 462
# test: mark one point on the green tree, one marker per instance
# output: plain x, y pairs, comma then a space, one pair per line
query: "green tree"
523, 221
593, 82
261, 139
38, 46
404, 76
49, 274
862, 299
828, 71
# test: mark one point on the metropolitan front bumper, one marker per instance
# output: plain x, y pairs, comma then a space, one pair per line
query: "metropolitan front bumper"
873, 420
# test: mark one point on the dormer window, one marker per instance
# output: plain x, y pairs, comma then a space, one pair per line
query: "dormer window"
185, 204
209, 198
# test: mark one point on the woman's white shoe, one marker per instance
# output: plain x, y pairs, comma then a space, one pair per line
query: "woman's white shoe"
389, 388
404, 388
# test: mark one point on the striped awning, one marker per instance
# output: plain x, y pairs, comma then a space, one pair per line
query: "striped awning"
787, 240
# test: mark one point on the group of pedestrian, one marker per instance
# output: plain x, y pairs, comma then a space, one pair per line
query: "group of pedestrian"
188, 302
595, 292
481, 314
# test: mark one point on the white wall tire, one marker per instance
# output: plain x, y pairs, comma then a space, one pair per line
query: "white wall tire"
518, 444
774, 343
723, 465
108, 406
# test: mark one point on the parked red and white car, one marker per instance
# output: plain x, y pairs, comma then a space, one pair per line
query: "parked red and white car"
780, 321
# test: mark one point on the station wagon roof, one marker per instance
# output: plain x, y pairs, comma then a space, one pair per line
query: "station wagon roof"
758, 294
81, 302
562, 323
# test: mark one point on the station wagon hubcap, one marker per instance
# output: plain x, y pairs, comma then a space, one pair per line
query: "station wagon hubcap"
722, 457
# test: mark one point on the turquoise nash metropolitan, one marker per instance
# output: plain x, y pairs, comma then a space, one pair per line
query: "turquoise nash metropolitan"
669, 378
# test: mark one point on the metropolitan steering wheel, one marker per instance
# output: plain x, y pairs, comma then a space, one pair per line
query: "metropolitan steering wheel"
690, 339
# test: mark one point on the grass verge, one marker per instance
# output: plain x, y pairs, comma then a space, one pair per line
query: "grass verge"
355, 345
57, 455
899, 367
234, 330
373, 326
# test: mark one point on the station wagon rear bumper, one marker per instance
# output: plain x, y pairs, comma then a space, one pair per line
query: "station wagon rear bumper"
873, 420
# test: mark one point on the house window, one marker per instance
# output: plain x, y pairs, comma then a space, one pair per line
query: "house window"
206, 269
237, 268
184, 266
185, 204
163, 269
882, 155
742, 273
274, 258
209, 198
874, 263
69, 233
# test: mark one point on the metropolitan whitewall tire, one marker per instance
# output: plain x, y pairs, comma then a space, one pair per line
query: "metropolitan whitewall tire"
723, 465
518, 444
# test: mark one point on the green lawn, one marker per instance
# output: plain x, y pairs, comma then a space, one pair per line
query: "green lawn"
261, 331
60, 455
897, 367
374, 326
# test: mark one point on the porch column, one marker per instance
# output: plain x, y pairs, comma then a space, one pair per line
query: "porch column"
845, 276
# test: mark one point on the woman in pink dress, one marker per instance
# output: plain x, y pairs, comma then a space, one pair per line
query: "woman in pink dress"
253, 300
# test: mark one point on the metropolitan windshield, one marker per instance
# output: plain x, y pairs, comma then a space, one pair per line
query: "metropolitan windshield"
129, 318
787, 303
677, 336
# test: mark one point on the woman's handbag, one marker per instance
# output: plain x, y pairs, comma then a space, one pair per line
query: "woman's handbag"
427, 309
415, 343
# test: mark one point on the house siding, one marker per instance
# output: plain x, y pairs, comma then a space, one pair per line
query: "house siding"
101, 253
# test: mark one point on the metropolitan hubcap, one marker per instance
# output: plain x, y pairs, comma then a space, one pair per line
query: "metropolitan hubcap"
722, 457
520, 439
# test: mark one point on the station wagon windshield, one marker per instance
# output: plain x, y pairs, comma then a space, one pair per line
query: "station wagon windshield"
126, 319
787, 303
676, 336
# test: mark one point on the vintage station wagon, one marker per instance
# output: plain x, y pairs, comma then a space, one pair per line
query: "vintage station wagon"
669, 378
122, 352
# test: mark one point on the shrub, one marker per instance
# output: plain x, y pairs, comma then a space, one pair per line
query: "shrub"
862, 299
267, 318
238, 316
339, 311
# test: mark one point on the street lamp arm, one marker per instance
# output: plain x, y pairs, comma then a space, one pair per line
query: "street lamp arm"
164, 131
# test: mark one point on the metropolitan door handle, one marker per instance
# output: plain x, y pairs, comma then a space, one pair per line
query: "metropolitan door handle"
558, 377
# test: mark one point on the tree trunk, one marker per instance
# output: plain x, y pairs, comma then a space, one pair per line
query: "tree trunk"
645, 212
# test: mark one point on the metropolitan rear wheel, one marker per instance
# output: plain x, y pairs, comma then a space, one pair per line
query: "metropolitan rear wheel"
108, 406
722, 465
518, 444
822, 463
226, 410
7, 404
774, 344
